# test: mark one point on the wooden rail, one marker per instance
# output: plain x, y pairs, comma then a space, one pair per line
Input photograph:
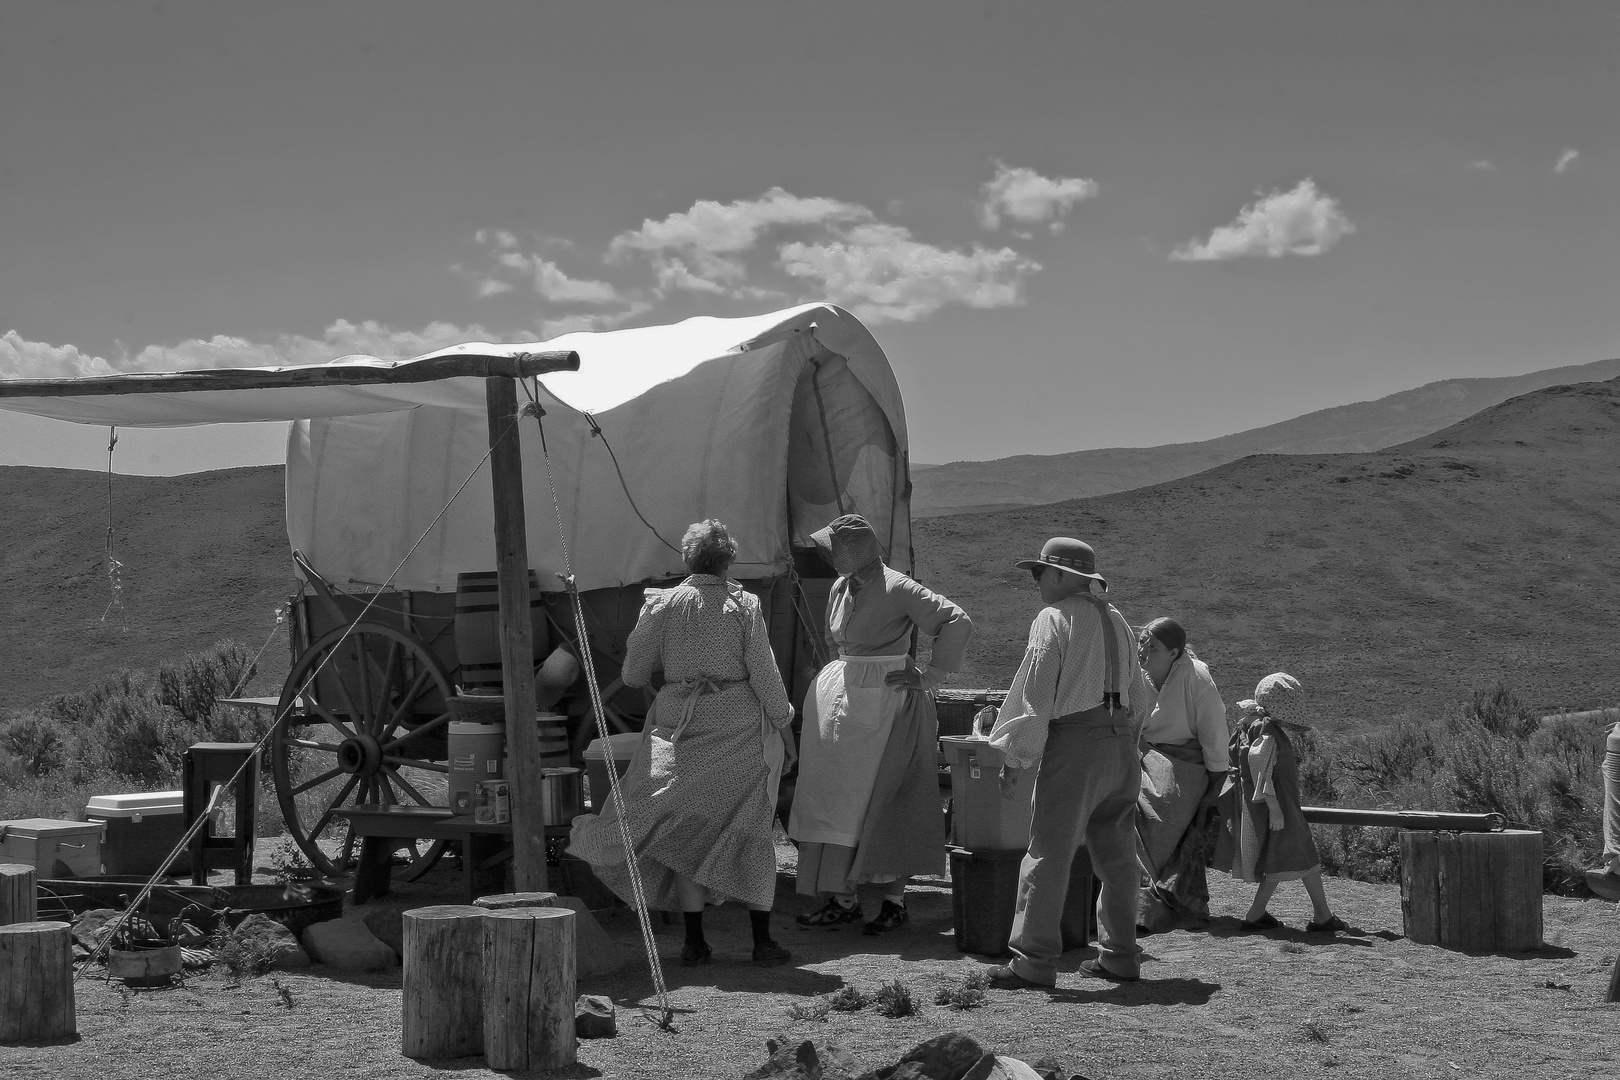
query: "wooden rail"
1404, 819
431, 369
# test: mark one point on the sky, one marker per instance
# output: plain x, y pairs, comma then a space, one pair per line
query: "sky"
1070, 225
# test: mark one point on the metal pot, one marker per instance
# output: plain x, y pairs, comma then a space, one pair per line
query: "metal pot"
562, 795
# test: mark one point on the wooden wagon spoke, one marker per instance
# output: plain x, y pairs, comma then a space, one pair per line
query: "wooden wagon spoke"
406, 786
362, 664
421, 729
331, 718
317, 781
385, 712
311, 744
347, 858
326, 818
402, 708
429, 766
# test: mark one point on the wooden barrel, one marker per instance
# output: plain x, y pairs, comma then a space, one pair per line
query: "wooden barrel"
1474, 892
478, 627
36, 982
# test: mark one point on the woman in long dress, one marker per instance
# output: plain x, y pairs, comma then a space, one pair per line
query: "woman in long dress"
866, 808
700, 793
1184, 763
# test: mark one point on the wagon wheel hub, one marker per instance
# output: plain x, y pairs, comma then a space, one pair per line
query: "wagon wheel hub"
361, 754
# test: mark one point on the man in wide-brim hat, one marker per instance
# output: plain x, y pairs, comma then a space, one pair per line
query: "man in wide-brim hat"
1074, 710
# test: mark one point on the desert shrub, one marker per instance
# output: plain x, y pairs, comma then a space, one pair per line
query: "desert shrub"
847, 999
966, 993
816, 1009
38, 746
241, 956
893, 999
1492, 756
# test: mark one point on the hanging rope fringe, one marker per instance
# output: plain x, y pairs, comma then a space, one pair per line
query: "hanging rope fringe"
638, 891
106, 939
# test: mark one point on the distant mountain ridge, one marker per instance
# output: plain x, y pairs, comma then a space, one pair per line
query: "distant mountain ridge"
1362, 427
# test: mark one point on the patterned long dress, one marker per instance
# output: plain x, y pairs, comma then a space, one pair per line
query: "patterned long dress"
697, 794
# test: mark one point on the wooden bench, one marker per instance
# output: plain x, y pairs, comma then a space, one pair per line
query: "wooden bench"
484, 847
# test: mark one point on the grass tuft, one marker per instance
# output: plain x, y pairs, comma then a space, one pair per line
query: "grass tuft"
893, 999
847, 999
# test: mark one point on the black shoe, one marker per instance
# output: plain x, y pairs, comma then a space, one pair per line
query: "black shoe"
831, 914
694, 954
769, 954
892, 917
1095, 969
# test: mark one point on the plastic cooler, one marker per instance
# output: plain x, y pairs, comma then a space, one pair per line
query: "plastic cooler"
476, 752
140, 830
984, 898
54, 848
981, 817
623, 748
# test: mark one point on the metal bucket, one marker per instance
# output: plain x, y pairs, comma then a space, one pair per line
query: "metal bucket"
561, 795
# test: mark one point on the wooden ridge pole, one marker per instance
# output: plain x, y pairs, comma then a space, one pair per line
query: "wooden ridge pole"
517, 650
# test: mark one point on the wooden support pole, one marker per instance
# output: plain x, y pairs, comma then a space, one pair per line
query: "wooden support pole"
517, 653
19, 896
529, 989
36, 982
443, 1002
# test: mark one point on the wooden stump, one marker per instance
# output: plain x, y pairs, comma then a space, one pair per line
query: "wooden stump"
443, 1002
506, 900
529, 989
18, 893
36, 982
1474, 892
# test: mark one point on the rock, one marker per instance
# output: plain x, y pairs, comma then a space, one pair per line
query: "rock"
347, 944
260, 935
809, 1060
905, 1070
387, 925
594, 1017
88, 927
944, 1057
996, 1067
594, 952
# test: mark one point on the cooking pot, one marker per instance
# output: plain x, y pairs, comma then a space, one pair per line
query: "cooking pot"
562, 795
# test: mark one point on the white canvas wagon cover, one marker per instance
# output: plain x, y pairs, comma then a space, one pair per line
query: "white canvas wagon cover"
775, 424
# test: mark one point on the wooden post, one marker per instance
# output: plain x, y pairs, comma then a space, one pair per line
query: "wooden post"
19, 896
517, 656
36, 982
1474, 892
443, 1002
529, 989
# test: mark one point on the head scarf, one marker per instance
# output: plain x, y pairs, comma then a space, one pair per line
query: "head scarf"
1278, 697
849, 544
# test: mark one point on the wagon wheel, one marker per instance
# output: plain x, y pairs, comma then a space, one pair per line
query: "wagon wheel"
359, 739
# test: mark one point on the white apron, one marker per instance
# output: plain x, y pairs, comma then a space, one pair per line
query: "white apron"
847, 718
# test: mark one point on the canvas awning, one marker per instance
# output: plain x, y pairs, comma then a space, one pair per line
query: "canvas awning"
773, 423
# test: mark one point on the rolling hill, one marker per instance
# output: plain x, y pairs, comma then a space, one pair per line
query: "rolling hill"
1030, 479
1397, 580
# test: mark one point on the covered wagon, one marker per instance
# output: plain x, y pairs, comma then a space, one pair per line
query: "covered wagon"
775, 424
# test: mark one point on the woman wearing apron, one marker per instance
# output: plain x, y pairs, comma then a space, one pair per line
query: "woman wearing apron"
867, 804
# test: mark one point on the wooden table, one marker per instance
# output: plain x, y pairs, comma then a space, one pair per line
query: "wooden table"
484, 847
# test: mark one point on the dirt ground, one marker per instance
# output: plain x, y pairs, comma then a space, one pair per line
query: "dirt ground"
1216, 1004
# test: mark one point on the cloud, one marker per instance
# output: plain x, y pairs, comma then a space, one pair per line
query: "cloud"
883, 275
1482, 165
21, 359
1026, 197
1299, 222
709, 236
1566, 159
496, 238
593, 322
551, 283
492, 287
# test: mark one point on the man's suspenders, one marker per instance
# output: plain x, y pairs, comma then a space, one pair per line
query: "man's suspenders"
1111, 681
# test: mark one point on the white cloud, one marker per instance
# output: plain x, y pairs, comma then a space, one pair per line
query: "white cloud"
492, 287
1299, 222
551, 283
1025, 196
674, 274
1566, 159
592, 321
21, 359
1482, 165
883, 275
496, 238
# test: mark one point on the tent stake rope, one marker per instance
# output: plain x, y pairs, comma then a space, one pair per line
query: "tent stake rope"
106, 938
638, 890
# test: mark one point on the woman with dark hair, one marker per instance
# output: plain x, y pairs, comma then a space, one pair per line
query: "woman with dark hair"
866, 808
1184, 763
701, 790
